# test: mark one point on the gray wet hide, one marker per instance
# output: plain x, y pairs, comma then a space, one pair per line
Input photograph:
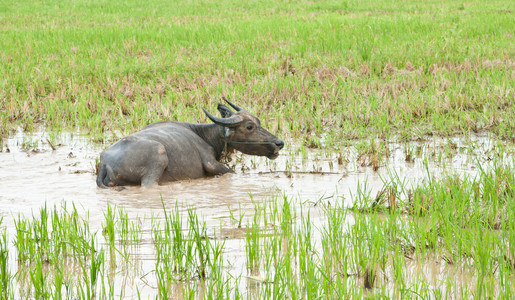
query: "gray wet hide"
169, 151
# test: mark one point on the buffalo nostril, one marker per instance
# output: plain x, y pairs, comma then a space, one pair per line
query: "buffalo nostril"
279, 143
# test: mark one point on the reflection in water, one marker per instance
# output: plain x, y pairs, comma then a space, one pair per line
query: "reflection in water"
33, 175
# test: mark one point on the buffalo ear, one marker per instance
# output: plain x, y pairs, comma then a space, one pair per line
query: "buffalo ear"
232, 121
228, 131
224, 111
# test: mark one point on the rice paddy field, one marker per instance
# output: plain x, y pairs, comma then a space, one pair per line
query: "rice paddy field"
397, 179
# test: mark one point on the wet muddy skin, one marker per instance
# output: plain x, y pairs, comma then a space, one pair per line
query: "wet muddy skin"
33, 175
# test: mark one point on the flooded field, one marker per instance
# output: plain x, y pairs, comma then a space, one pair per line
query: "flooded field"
397, 179
269, 216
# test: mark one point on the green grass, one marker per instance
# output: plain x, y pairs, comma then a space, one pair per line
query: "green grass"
317, 74
342, 70
5, 274
382, 246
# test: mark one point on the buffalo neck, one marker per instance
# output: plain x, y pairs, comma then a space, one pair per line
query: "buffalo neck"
211, 134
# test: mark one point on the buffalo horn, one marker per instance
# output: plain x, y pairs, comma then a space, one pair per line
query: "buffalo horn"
229, 122
236, 107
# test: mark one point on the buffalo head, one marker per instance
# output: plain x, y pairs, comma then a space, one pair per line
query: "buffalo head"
243, 132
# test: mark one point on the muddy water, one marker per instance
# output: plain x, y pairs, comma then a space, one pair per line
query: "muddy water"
33, 174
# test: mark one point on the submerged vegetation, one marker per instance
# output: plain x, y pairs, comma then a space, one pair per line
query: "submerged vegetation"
326, 70
444, 238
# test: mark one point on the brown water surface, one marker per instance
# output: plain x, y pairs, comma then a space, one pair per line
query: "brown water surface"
33, 175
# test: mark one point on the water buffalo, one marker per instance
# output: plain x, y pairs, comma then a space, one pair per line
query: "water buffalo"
169, 151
